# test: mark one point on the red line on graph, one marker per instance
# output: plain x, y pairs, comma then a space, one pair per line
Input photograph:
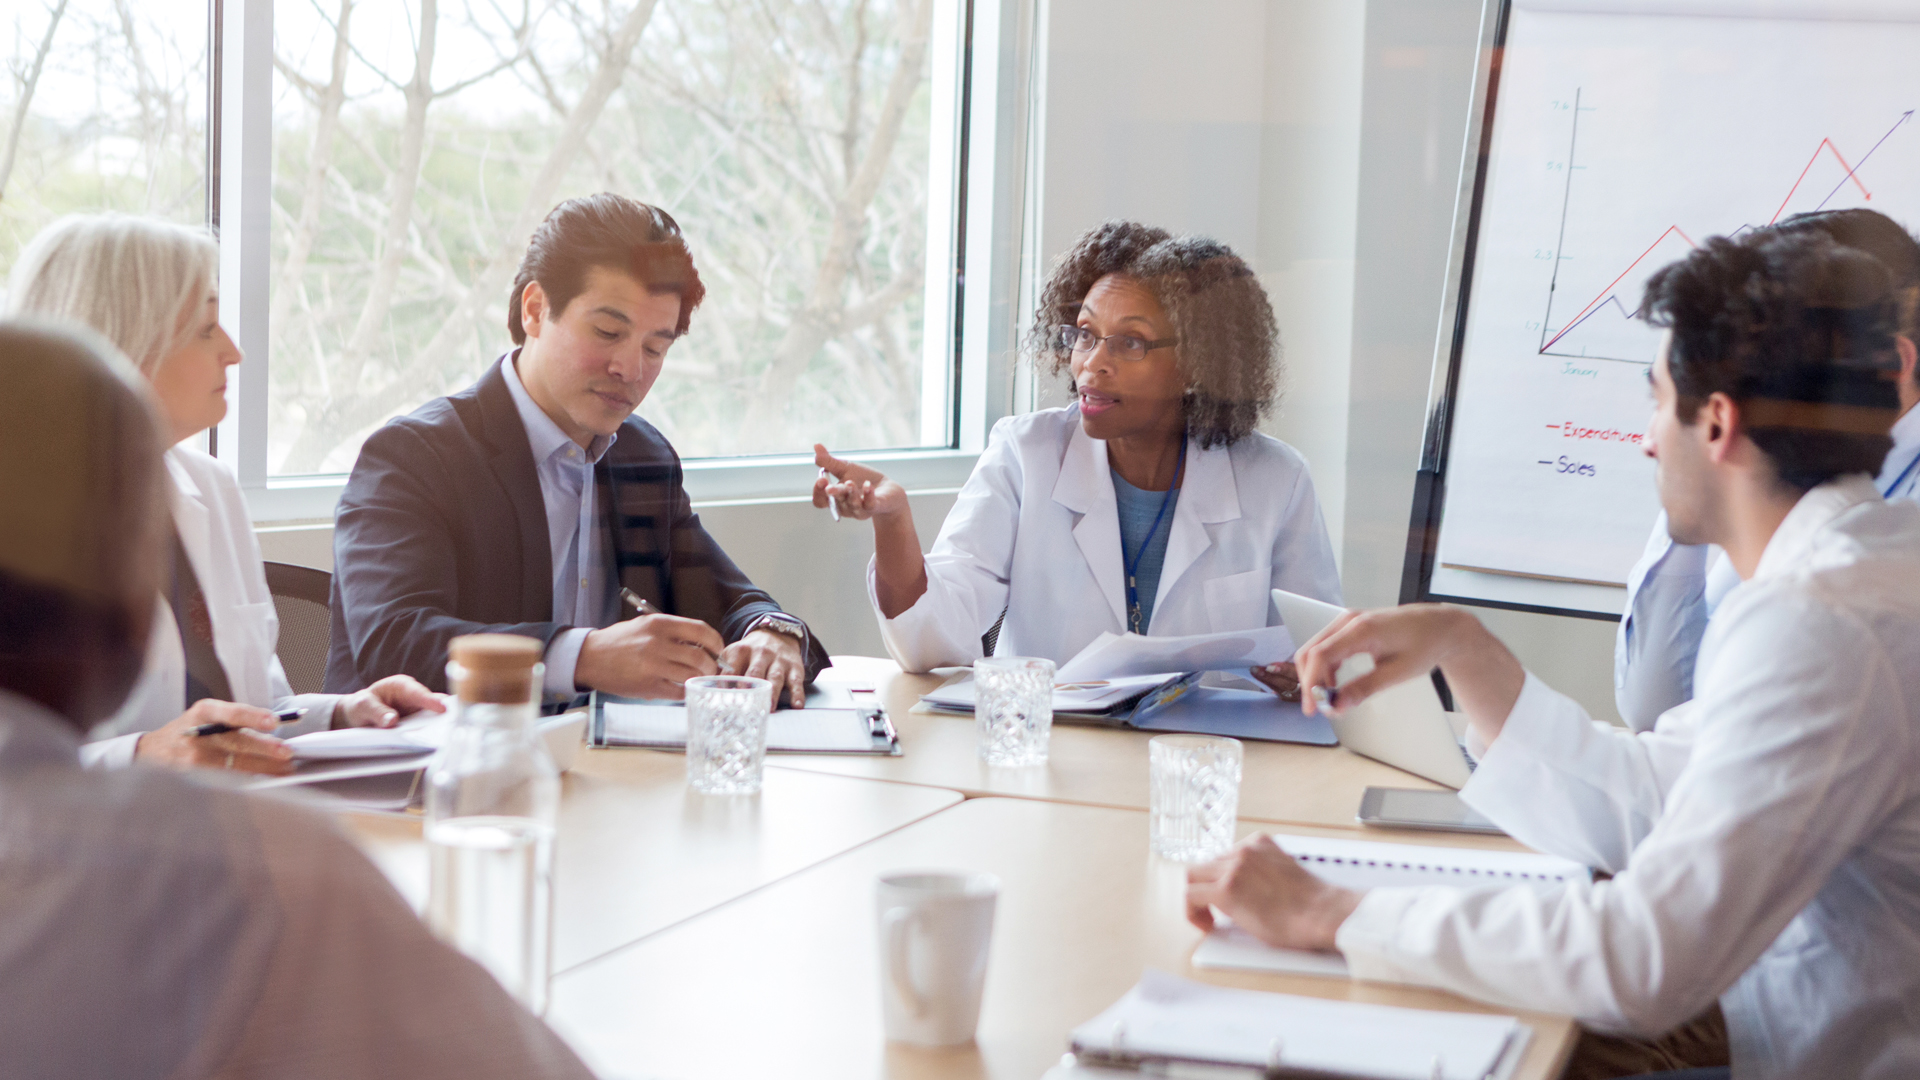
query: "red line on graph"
1575, 321
1825, 144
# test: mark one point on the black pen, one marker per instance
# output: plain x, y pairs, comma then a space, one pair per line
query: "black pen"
642, 606
284, 716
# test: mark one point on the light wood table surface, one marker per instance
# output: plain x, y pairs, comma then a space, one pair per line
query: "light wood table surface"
1282, 782
785, 981
638, 851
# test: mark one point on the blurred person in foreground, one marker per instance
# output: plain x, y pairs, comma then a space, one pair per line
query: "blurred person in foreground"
1150, 504
149, 287
1764, 838
1674, 589
259, 943
534, 501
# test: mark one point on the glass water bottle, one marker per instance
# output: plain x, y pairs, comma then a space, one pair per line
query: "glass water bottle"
492, 796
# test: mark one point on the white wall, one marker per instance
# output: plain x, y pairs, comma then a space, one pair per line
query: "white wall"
1234, 119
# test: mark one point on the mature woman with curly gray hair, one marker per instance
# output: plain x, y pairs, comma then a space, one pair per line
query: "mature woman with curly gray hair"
1150, 504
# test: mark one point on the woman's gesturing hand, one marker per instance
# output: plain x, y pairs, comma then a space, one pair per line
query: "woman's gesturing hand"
859, 492
900, 573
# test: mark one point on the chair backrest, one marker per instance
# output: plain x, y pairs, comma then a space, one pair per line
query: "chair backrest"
301, 597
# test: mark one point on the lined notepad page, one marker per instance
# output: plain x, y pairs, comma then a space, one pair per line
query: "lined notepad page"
1166, 1017
792, 730
1365, 864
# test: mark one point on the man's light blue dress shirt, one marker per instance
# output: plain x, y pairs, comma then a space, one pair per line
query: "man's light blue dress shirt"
583, 597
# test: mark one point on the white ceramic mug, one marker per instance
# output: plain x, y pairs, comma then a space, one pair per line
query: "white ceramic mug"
935, 928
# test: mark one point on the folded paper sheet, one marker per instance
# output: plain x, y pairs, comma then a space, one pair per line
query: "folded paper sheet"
1113, 656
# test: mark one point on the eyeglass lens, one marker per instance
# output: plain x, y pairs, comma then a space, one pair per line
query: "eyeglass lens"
1081, 339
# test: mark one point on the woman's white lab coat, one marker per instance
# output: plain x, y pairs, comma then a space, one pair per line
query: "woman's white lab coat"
1036, 531
211, 515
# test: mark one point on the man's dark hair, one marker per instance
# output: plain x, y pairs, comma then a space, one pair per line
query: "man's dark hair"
1229, 346
1798, 331
610, 231
1879, 236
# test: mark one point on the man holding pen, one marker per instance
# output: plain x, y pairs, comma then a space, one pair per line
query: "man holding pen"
1764, 838
535, 502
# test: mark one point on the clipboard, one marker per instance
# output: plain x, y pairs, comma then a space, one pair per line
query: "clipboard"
836, 719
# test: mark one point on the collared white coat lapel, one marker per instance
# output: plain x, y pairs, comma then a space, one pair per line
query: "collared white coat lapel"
1085, 486
1207, 496
237, 630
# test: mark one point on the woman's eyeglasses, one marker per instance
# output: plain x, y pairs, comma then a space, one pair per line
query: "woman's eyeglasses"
1124, 346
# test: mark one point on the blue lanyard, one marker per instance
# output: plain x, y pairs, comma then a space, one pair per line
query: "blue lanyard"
1133, 565
1902, 478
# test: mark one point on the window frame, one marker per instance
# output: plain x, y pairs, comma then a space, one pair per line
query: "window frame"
992, 89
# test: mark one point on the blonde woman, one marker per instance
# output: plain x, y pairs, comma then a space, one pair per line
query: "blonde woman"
149, 288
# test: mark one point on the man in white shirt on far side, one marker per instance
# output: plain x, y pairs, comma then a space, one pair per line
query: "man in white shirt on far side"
1674, 589
1763, 838
155, 924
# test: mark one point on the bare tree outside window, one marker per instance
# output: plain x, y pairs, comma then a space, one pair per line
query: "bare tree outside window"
417, 144
103, 106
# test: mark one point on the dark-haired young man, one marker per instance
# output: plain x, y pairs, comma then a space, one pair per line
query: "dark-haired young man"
1674, 588
527, 502
1764, 838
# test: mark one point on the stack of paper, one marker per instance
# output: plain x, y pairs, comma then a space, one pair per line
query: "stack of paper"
1115, 656
1166, 1020
1096, 696
410, 738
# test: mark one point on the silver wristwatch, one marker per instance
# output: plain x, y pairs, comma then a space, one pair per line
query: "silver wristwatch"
780, 623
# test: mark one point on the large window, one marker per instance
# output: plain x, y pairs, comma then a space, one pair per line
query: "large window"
103, 107
379, 164
803, 145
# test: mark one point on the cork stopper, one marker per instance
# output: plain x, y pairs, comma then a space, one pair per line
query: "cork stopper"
494, 668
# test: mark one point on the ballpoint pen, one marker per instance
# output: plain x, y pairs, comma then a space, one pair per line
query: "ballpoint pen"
642, 606
284, 716
833, 505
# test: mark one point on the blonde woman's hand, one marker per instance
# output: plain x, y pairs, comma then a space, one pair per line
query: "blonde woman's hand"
249, 748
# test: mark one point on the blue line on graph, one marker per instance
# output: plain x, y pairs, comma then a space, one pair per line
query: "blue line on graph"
1904, 117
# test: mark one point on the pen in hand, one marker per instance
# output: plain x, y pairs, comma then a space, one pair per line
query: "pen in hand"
642, 606
284, 716
833, 505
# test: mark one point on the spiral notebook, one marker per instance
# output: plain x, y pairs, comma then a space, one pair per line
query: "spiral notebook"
837, 719
1368, 864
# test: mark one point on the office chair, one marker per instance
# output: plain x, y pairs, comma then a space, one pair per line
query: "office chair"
300, 596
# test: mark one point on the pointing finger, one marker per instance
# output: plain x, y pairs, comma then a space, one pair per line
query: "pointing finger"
830, 463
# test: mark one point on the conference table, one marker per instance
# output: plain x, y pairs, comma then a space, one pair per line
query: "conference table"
1093, 765
702, 937
638, 851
